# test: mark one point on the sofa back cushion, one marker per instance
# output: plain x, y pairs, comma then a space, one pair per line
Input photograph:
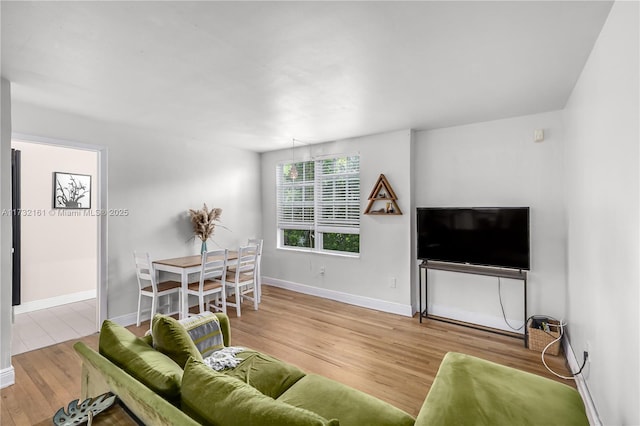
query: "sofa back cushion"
269, 375
214, 398
133, 355
172, 339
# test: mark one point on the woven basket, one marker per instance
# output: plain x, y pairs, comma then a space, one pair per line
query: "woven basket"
538, 339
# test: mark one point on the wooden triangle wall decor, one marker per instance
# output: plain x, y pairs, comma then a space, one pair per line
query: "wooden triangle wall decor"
382, 192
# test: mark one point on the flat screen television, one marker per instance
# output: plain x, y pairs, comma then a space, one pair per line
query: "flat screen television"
487, 236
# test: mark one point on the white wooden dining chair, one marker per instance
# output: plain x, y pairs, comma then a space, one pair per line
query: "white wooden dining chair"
148, 286
242, 277
258, 243
212, 281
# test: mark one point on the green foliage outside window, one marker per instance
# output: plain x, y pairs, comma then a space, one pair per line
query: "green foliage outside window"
341, 242
298, 238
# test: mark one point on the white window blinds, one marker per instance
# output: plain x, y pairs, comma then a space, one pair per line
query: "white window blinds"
324, 197
338, 194
296, 196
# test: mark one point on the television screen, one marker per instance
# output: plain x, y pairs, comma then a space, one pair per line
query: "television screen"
488, 236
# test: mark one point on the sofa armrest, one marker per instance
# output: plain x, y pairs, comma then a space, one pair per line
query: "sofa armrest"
472, 391
99, 375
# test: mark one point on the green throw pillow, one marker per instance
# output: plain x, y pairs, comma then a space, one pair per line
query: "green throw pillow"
173, 340
138, 359
216, 399
269, 375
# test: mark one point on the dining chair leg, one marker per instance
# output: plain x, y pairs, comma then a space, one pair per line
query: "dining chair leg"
255, 296
258, 285
139, 307
219, 302
153, 308
238, 301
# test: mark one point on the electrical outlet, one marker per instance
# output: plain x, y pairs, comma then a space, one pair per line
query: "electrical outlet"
587, 349
392, 282
322, 270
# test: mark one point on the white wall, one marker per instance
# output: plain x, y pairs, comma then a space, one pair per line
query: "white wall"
6, 370
157, 178
385, 242
496, 164
58, 247
602, 163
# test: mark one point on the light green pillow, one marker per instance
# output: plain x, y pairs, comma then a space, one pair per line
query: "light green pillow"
269, 375
173, 340
138, 359
204, 329
216, 399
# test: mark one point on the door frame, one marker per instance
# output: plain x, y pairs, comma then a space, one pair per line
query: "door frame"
102, 199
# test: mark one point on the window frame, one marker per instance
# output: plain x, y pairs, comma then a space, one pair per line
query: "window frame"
316, 229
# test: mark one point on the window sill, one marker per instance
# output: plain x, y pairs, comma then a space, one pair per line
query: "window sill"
324, 253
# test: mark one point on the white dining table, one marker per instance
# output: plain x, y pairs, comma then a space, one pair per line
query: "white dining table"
184, 266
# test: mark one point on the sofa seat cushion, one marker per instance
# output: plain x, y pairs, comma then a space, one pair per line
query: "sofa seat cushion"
351, 407
469, 390
137, 358
269, 375
214, 398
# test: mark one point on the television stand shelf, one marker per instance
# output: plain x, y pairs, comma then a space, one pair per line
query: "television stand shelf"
517, 274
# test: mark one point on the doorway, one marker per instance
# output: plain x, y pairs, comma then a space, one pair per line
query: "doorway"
62, 252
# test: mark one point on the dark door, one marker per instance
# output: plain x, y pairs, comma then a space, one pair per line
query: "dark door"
15, 205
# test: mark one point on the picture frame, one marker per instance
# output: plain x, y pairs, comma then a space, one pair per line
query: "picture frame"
71, 191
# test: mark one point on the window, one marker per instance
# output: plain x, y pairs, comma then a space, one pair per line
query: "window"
319, 210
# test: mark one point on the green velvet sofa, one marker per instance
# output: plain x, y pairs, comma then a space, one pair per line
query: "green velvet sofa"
262, 390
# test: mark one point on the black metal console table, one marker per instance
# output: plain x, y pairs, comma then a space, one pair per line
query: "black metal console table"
469, 269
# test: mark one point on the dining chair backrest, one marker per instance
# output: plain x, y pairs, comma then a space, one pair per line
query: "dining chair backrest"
144, 271
256, 242
247, 258
214, 265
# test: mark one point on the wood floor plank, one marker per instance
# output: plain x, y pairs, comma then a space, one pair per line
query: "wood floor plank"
391, 357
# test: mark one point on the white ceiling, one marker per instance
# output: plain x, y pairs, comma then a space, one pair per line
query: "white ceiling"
257, 74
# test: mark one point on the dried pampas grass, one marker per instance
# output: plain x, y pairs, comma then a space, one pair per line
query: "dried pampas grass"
203, 221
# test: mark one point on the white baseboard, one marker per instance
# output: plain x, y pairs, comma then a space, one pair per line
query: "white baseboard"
129, 319
51, 302
581, 384
352, 299
7, 377
478, 318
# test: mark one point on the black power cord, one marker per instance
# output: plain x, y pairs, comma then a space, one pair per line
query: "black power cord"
585, 356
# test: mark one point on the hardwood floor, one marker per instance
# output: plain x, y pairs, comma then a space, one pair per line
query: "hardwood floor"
390, 357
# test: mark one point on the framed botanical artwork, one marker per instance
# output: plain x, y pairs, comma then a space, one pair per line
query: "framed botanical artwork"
71, 191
